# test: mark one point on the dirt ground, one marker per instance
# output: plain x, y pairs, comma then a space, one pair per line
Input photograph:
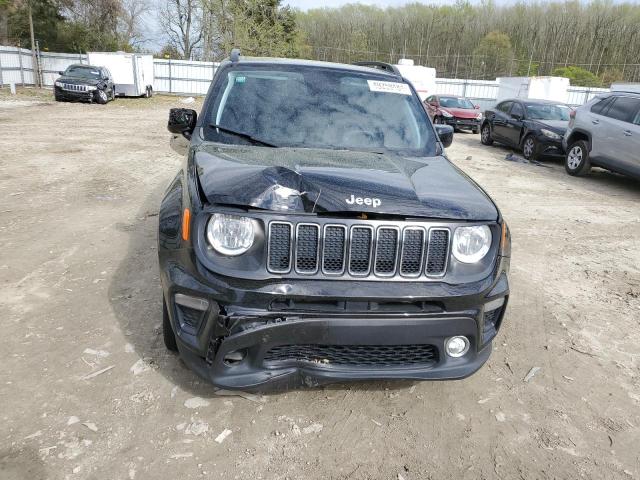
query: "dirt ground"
88, 390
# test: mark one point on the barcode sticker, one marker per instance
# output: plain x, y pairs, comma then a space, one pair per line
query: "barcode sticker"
389, 87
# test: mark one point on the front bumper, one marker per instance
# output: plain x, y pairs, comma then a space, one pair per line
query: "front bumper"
251, 320
462, 122
550, 147
73, 96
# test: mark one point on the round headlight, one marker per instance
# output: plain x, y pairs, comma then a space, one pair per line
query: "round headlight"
471, 244
229, 234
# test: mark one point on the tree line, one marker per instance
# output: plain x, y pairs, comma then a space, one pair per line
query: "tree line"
592, 43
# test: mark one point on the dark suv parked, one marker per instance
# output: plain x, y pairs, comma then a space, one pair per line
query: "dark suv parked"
85, 83
320, 234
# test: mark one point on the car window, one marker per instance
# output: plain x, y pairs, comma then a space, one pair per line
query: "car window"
636, 120
517, 110
598, 107
548, 111
318, 107
429, 99
623, 109
455, 102
504, 106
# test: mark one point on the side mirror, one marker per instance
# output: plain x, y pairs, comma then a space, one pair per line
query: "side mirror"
516, 116
445, 132
182, 121
60, 72
477, 107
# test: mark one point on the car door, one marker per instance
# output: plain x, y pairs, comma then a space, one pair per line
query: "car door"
499, 125
514, 124
616, 137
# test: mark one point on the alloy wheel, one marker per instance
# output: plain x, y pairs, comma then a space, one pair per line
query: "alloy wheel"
574, 159
528, 147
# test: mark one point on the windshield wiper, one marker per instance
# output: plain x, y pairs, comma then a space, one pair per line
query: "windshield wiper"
246, 136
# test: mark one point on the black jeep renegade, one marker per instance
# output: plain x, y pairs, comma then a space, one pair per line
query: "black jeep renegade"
317, 233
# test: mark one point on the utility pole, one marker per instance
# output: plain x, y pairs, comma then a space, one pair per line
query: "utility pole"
34, 58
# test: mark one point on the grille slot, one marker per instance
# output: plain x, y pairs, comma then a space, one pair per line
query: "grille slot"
333, 252
412, 252
307, 238
279, 249
386, 251
74, 88
360, 250
354, 355
437, 252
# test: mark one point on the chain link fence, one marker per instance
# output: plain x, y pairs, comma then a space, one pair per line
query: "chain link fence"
187, 77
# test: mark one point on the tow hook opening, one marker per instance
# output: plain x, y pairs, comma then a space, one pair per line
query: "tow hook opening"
234, 358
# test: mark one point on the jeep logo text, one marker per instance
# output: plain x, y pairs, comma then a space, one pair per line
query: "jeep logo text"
373, 202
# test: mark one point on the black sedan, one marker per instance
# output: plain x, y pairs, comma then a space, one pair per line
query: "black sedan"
534, 126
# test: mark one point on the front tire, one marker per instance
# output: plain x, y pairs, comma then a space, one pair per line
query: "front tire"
167, 332
485, 135
530, 148
475, 130
577, 161
101, 97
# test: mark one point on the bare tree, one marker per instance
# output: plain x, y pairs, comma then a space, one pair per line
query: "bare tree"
132, 21
181, 21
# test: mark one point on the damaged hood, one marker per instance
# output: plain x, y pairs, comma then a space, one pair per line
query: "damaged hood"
319, 181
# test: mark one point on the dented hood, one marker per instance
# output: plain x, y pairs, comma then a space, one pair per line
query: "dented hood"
311, 180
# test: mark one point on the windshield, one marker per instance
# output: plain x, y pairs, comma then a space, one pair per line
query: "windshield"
82, 72
317, 107
455, 102
548, 112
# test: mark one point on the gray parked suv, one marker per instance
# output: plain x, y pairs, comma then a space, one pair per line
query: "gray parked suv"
605, 132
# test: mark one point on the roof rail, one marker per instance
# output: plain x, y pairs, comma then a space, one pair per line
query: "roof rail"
387, 67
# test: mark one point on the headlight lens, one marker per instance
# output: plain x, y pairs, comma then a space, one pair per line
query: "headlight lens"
229, 234
91, 88
471, 244
58, 84
444, 113
550, 134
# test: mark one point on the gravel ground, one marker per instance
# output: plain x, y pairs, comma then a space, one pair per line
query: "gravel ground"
89, 392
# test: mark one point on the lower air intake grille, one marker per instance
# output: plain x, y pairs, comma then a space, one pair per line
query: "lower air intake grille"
354, 355
279, 247
437, 252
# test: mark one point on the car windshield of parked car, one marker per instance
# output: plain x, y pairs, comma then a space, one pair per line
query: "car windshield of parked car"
317, 107
455, 102
83, 72
548, 112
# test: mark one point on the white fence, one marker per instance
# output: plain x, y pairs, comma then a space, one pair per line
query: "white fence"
188, 77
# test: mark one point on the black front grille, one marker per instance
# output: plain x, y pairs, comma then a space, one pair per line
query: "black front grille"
437, 252
307, 248
333, 254
354, 355
358, 250
386, 251
412, 252
279, 247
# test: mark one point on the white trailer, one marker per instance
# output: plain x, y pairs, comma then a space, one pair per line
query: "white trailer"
422, 78
132, 72
555, 89
625, 87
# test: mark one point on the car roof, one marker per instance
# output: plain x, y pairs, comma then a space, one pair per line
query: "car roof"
83, 65
313, 63
531, 101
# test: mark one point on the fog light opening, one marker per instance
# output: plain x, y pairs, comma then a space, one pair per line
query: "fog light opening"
235, 357
456, 346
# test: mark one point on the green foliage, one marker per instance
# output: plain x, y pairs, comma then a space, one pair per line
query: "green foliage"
578, 76
496, 53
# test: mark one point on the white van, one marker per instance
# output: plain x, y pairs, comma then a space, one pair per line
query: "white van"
132, 72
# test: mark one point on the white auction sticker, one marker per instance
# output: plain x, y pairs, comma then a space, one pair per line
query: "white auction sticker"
389, 87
